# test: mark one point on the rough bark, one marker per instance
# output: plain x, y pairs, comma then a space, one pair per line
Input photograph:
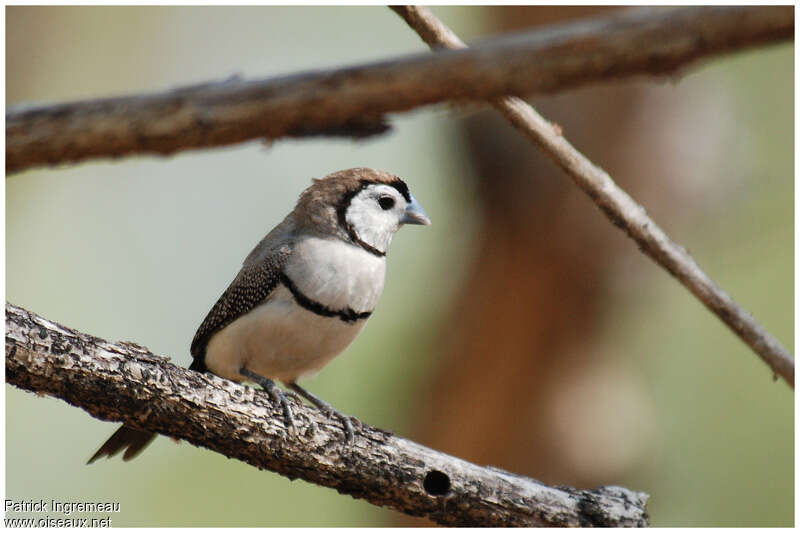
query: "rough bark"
125, 382
354, 101
622, 210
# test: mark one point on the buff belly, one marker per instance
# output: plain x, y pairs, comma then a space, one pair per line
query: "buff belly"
279, 340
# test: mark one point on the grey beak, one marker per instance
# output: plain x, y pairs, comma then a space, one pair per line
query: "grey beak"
415, 214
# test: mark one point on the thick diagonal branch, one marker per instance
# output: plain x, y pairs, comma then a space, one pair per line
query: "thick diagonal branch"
354, 101
124, 382
620, 208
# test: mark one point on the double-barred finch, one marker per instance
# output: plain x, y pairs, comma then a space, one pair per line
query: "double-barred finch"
303, 293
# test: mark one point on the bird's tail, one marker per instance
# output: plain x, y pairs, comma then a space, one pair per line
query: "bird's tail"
131, 440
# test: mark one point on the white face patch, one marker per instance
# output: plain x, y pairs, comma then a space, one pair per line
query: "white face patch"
374, 214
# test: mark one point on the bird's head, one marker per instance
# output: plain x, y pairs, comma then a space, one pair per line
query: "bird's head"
363, 205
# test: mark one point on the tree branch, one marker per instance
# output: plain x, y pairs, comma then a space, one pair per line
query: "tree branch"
620, 208
354, 101
124, 382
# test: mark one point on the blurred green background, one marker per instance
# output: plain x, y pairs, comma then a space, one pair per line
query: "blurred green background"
139, 249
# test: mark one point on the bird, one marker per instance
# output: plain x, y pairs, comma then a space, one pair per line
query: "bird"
303, 293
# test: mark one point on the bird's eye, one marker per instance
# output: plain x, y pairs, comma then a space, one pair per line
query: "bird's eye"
386, 202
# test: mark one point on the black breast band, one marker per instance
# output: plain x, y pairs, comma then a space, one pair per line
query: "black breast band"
345, 315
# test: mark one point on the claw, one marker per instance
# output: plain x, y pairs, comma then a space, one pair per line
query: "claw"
349, 434
324, 406
277, 396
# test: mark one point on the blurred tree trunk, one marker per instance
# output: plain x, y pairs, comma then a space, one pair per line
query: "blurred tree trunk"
523, 325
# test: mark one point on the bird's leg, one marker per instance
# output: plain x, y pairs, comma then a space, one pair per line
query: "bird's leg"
325, 406
275, 393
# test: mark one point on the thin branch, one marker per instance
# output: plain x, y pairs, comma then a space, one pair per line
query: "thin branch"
354, 101
124, 382
620, 208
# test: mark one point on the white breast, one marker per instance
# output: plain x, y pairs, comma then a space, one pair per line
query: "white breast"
282, 340
337, 274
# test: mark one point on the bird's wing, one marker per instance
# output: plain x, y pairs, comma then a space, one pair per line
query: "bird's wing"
251, 287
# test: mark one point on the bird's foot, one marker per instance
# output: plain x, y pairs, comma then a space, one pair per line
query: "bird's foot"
277, 396
328, 409
347, 425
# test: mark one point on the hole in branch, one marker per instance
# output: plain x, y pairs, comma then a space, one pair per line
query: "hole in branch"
436, 483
